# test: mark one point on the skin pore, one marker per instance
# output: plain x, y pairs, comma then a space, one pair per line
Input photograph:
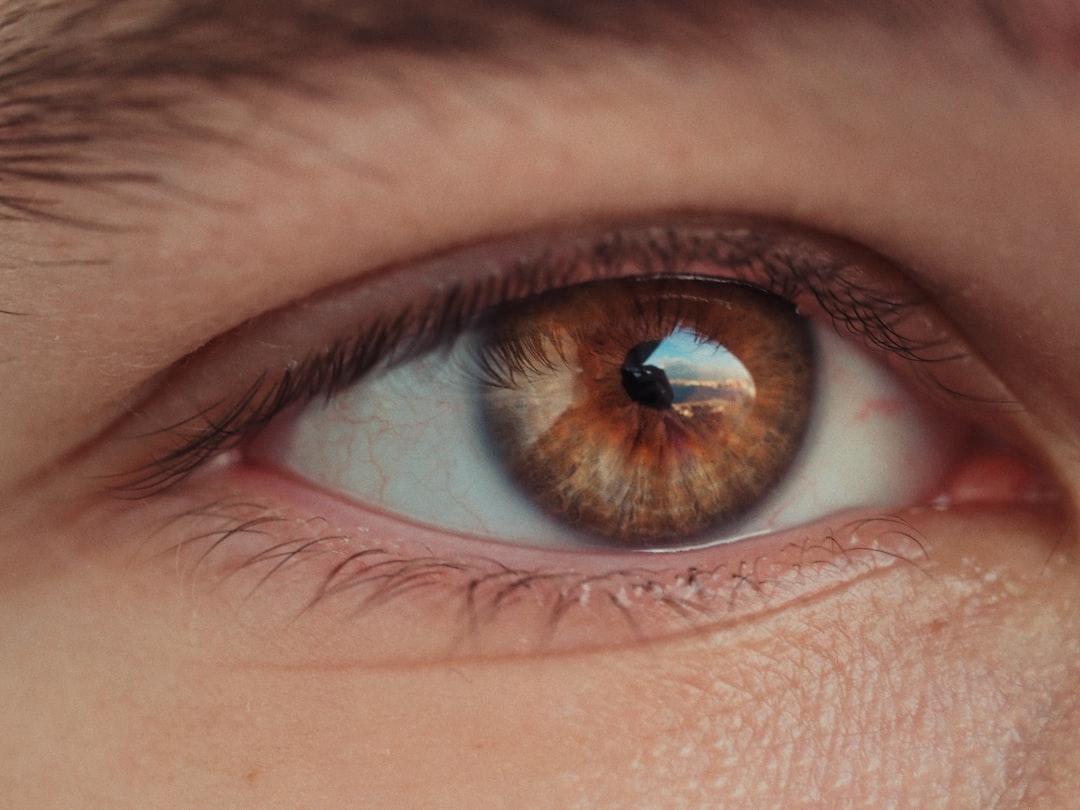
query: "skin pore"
141, 670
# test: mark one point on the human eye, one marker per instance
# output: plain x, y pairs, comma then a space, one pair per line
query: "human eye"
386, 449
240, 239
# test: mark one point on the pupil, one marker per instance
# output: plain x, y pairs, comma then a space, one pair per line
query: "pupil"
646, 385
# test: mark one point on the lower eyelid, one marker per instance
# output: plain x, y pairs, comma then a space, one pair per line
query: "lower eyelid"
390, 593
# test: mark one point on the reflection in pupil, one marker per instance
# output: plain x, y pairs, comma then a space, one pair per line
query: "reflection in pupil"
683, 369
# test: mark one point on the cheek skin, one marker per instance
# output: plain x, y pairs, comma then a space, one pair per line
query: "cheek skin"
900, 688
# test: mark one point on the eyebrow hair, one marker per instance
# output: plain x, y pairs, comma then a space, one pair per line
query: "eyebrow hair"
75, 71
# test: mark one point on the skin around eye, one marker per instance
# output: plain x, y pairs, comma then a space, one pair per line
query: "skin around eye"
233, 668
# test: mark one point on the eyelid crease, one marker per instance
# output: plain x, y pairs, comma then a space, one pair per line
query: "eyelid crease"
860, 293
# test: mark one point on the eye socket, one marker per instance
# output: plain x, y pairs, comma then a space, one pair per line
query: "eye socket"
445, 555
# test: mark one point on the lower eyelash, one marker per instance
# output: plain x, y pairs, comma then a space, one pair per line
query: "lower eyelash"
482, 593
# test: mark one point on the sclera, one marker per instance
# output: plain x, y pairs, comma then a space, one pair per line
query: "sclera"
411, 442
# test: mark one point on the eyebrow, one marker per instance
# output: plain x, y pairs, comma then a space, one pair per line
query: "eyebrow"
75, 71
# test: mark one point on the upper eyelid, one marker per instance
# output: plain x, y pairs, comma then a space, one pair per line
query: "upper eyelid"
191, 418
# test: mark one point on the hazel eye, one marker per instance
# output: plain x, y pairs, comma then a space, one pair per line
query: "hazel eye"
651, 413
645, 412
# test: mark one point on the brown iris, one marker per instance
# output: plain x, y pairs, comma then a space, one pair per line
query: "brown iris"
647, 411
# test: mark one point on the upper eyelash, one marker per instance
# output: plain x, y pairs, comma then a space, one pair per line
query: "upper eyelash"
860, 310
220, 425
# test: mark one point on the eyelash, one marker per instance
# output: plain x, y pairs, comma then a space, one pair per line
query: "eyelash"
477, 594
862, 311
